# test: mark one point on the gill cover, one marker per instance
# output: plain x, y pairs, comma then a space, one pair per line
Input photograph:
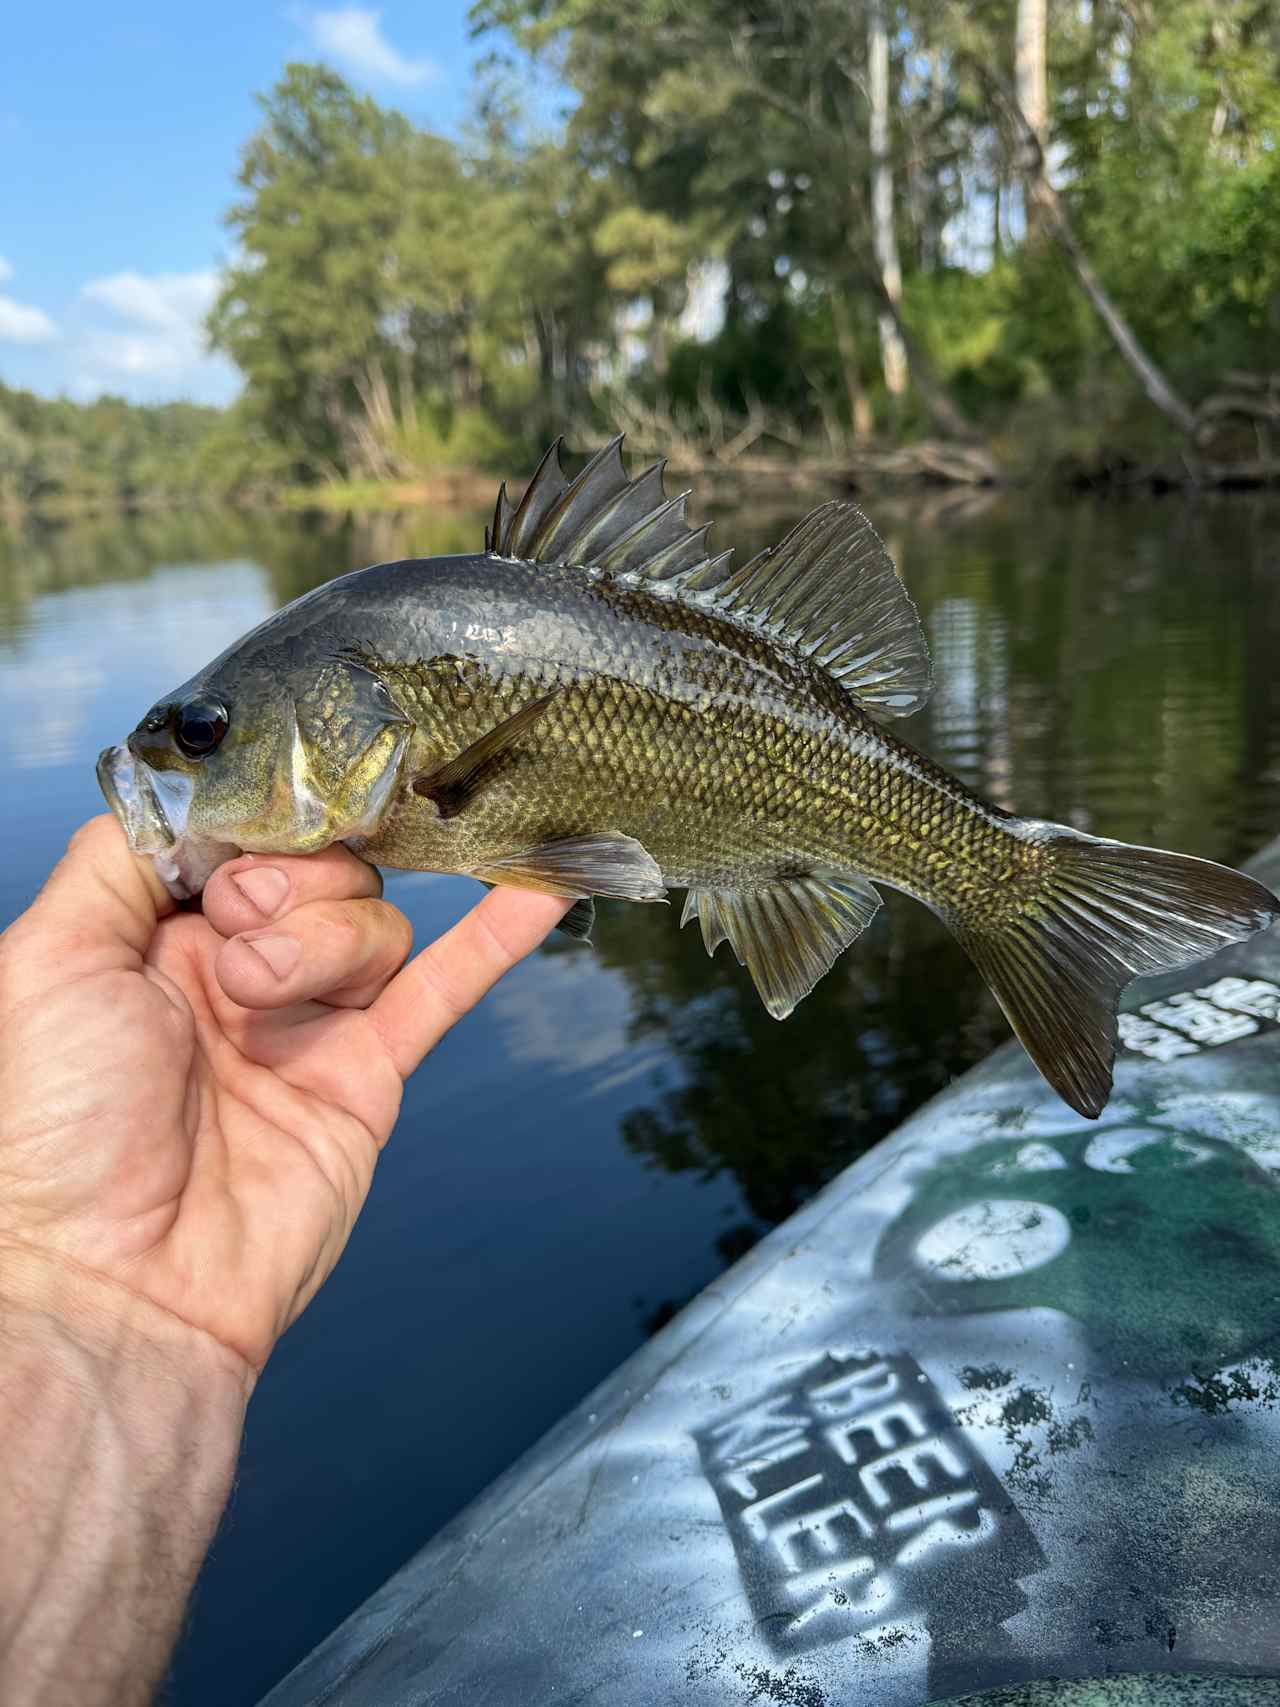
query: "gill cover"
337, 763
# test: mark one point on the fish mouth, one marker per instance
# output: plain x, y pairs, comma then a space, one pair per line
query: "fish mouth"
129, 786
153, 808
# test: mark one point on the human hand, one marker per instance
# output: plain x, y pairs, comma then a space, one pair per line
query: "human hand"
193, 1103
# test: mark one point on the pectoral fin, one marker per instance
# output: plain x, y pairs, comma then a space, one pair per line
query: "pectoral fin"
458, 782
788, 934
603, 863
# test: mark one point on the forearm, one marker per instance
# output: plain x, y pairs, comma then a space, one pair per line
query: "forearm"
119, 1429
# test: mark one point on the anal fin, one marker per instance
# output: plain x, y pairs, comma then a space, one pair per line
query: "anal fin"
603, 862
787, 934
579, 922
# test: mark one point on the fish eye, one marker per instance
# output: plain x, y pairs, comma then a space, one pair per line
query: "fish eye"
199, 726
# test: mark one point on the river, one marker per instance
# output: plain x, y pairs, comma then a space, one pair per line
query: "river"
615, 1125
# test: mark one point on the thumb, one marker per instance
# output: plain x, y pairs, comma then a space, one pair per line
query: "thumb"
100, 906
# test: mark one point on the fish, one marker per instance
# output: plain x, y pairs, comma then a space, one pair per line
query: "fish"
599, 704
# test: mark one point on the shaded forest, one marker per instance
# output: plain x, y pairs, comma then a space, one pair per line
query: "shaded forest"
857, 238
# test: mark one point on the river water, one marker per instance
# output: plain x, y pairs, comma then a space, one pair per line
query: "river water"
614, 1126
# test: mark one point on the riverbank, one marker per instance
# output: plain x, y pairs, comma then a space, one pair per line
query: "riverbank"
940, 465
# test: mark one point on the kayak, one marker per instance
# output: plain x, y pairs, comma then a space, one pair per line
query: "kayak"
994, 1417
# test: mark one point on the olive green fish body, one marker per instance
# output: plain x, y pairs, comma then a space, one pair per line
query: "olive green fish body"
731, 763
596, 706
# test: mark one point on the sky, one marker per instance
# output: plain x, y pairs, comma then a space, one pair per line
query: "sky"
120, 133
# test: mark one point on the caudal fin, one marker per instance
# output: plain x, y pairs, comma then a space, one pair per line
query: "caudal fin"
1106, 912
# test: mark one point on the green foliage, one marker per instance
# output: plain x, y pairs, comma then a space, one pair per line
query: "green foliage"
467, 438
55, 453
402, 303
393, 283
747, 126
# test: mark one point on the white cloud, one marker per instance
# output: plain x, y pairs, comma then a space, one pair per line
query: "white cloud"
353, 36
21, 322
162, 335
163, 302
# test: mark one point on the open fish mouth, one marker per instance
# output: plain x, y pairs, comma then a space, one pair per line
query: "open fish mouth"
153, 810
129, 787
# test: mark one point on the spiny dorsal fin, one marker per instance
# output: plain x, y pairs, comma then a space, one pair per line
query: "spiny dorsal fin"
601, 519
502, 514
829, 589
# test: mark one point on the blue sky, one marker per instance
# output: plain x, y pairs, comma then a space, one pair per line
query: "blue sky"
120, 131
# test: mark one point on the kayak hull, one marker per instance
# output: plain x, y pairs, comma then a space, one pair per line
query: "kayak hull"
1001, 1404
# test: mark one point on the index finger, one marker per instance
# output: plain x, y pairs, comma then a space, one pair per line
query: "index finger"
450, 976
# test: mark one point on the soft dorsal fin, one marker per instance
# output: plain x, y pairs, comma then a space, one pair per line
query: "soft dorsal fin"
829, 589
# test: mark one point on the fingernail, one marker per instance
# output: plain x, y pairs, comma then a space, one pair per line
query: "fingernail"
263, 887
280, 952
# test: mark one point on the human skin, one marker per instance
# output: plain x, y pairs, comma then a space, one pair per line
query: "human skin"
191, 1109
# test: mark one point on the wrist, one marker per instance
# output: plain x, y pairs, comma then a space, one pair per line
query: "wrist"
99, 1326
119, 1429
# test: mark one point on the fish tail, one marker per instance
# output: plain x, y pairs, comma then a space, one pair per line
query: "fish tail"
1101, 913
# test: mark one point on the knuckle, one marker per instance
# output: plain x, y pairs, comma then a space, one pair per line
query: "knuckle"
492, 941
398, 928
344, 926
338, 867
368, 875
389, 933
441, 986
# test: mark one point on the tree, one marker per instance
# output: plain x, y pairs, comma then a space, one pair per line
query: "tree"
748, 123
354, 289
1029, 55
892, 351
1029, 140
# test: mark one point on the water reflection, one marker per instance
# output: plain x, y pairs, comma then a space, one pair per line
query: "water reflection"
619, 1123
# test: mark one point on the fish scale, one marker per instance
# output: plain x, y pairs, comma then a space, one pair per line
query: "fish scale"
596, 705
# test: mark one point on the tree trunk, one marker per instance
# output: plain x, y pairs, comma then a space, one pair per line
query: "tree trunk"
944, 414
892, 350
1030, 79
1030, 161
658, 340
996, 247
860, 421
